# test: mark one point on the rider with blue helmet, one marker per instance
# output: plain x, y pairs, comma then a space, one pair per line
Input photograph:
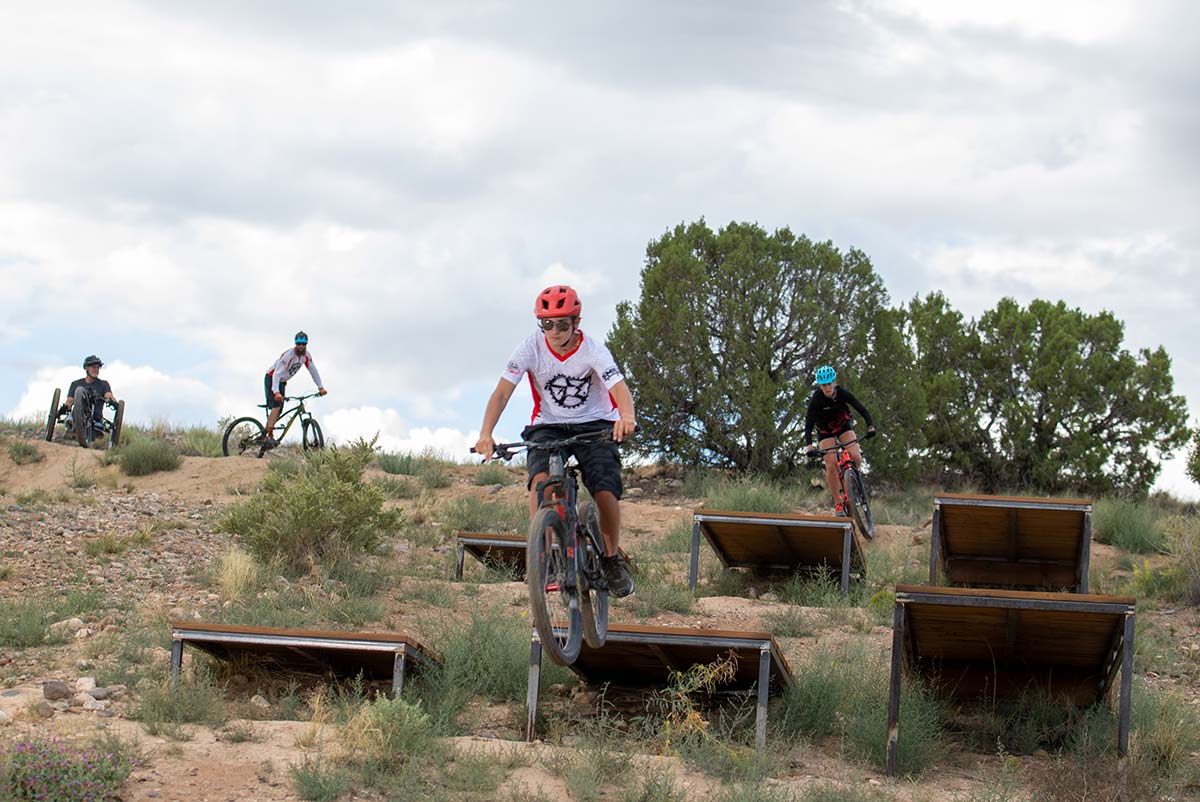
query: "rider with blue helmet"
829, 414
275, 382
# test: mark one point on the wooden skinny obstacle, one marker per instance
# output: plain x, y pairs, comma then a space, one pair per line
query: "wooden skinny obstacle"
375, 655
972, 642
1010, 541
778, 541
645, 656
502, 552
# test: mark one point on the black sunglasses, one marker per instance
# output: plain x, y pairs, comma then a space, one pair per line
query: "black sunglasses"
561, 325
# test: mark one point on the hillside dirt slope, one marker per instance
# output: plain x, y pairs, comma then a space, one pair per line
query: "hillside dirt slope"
54, 541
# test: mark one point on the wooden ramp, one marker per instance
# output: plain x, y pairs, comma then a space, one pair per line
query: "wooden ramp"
1010, 541
376, 655
503, 552
974, 643
644, 656
778, 541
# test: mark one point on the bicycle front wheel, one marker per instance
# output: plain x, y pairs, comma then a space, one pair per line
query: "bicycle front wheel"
114, 438
81, 417
556, 608
593, 596
860, 505
243, 437
313, 438
53, 419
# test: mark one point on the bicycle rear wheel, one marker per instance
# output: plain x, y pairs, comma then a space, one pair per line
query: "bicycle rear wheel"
243, 437
312, 437
81, 417
593, 599
53, 419
860, 505
114, 438
550, 547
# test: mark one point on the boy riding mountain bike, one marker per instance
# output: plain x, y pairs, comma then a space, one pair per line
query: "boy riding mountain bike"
577, 388
275, 382
829, 413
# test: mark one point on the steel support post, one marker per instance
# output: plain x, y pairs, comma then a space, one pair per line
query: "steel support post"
531, 696
176, 662
893, 733
694, 569
764, 693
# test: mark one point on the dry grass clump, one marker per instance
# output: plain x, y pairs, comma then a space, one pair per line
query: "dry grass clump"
237, 573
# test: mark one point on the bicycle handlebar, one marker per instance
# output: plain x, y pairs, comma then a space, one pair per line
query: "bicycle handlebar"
818, 452
301, 397
506, 451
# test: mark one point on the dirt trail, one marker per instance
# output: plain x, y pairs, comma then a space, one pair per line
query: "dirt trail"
197, 480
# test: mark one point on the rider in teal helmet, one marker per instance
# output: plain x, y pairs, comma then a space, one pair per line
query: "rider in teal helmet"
829, 413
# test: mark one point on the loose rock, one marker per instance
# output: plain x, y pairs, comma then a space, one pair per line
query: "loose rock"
54, 689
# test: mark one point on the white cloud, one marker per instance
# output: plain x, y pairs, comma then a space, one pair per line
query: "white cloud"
1076, 21
148, 393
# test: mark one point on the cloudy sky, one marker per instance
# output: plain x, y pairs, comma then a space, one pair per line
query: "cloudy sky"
183, 185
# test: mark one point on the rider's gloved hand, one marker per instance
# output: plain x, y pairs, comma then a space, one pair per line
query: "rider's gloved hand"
321, 391
871, 432
485, 447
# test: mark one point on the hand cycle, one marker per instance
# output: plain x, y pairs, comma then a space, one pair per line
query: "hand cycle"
852, 485
245, 437
567, 587
79, 421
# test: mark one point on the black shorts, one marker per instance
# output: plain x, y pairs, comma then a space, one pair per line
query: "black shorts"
271, 402
849, 427
599, 462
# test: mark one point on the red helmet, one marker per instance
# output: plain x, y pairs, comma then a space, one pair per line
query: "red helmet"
557, 301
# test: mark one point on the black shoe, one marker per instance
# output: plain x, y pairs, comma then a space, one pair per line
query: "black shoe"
620, 584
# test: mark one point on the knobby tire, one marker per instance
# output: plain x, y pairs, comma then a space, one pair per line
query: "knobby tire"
243, 437
860, 505
545, 564
593, 600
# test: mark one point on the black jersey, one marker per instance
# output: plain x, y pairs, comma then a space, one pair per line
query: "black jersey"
831, 415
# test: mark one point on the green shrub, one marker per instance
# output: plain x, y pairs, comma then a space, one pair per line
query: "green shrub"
656, 591
23, 452
145, 456
26, 621
163, 710
49, 769
1183, 538
473, 514
1127, 525
200, 442
396, 488
1193, 463
388, 734
747, 494
435, 475
491, 474
487, 655
325, 514
391, 462
315, 781
843, 690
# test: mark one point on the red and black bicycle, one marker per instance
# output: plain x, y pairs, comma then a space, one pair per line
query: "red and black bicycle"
852, 485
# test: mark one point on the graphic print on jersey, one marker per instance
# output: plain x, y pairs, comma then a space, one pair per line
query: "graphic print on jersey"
569, 392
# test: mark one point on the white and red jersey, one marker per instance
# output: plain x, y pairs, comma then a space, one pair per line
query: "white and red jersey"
289, 364
572, 388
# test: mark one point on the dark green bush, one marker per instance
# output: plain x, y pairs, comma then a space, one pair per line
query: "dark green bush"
145, 456
324, 514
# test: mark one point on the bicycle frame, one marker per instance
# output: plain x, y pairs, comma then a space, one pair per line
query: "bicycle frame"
563, 480
844, 461
292, 415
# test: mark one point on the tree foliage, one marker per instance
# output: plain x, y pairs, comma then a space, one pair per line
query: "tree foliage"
722, 342
1042, 396
729, 326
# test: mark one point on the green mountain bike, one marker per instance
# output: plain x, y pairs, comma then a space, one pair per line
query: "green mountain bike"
246, 437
